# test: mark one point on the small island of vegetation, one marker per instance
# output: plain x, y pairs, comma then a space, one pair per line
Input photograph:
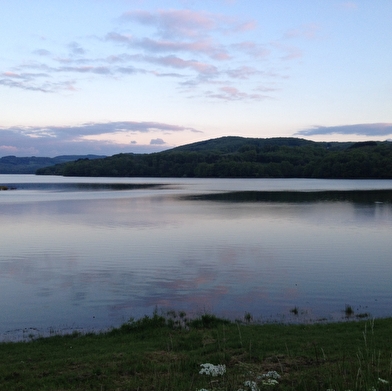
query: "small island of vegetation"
238, 157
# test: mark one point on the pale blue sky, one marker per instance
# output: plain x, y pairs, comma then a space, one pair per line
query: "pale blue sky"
111, 76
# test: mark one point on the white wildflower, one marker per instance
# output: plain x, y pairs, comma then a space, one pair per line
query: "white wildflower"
383, 381
252, 385
212, 370
271, 374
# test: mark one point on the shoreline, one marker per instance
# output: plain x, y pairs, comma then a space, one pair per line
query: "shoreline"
178, 354
27, 334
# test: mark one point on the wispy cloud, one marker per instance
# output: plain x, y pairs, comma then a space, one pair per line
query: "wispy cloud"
182, 23
42, 52
93, 128
243, 72
205, 47
33, 82
198, 49
377, 129
179, 63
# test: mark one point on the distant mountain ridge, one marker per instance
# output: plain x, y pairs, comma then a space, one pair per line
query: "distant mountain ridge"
29, 165
239, 157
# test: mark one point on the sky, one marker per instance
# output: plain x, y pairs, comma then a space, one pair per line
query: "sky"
118, 76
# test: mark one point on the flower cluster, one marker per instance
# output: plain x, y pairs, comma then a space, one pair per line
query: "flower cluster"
271, 375
267, 379
270, 378
252, 385
212, 370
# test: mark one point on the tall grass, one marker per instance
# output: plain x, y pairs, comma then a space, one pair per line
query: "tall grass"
168, 352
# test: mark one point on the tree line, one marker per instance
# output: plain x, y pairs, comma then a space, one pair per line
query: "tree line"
236, 157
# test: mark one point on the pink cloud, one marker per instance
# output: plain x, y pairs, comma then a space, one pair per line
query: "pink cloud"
12, 74
8, 148
177, 62
188, 23
204, 47
174, 22
184, 42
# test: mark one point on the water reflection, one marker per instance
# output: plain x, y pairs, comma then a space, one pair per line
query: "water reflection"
95, 262
364, 196
81, 186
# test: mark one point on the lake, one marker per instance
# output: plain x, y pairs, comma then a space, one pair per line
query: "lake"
89, 253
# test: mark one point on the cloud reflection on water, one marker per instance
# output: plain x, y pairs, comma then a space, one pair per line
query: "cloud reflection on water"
97, 262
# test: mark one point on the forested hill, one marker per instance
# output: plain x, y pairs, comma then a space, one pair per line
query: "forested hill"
244, 157
29, 165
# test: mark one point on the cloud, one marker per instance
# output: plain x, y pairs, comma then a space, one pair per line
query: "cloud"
174, 23
377, 129
100, 70
157, 141
198, 49
76, 49
177, 62
103, 138
93, 128
42, 52
12, 83
243, 72
34, 81
206, 46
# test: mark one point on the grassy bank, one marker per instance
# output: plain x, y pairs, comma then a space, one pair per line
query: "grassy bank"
166, 353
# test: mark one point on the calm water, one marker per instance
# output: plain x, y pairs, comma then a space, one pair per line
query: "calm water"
89, 253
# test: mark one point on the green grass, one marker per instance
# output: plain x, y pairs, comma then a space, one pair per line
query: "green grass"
165, 353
